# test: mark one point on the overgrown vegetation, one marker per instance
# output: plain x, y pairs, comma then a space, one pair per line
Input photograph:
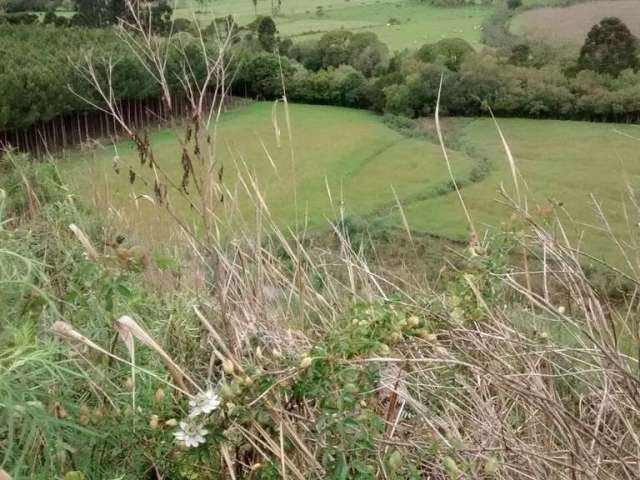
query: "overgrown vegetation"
359, 377
256, 353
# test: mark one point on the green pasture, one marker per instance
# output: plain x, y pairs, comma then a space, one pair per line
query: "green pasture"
568, 166
348, 160
343, 159
416, 23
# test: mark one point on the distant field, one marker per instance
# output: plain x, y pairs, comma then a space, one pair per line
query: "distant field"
571, 24
419, 23
350, 150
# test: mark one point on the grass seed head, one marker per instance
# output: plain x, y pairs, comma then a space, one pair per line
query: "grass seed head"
305, 362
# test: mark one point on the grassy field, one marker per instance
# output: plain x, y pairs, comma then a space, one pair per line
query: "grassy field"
418, 23
351, 151
571, 24
563, 163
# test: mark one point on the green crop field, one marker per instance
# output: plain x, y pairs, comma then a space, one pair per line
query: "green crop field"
351, 151
417, 23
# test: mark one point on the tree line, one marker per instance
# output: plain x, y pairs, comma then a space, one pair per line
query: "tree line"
530, 80
39, 79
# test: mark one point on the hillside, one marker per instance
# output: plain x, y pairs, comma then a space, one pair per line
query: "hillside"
319, 240
349, 159
342, 159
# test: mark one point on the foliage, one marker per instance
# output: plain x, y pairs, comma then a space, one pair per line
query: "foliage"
27, 185
449, 52
340, 86
50, 18
610, 48
94, 13
267, 32
19, 19
15, 6
526, 79
38, 71
262, 76
102, 13
222, 26
389, 387
46, 277
520, 55
363, 51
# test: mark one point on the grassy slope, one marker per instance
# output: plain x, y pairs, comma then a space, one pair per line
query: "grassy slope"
360, 157
562, 161
419, 23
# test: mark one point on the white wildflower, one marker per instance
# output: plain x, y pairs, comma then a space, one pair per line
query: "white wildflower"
191, 434
205, 402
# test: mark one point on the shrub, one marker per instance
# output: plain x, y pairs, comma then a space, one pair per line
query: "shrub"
398, 100
261, 76
19, 18
363, 51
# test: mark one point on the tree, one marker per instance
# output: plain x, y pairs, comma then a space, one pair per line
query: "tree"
368, 54
94, 13
267, 33
449, 52
398, 100
225, 26
520, 55
335, 48
49, 18
161, 13
308, 53
610, 48
16, 6
513, 4
262, 77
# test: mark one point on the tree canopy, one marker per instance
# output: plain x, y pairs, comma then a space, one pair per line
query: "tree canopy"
339, 68
610, 48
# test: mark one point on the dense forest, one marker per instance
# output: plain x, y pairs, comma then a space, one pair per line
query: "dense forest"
42, 74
